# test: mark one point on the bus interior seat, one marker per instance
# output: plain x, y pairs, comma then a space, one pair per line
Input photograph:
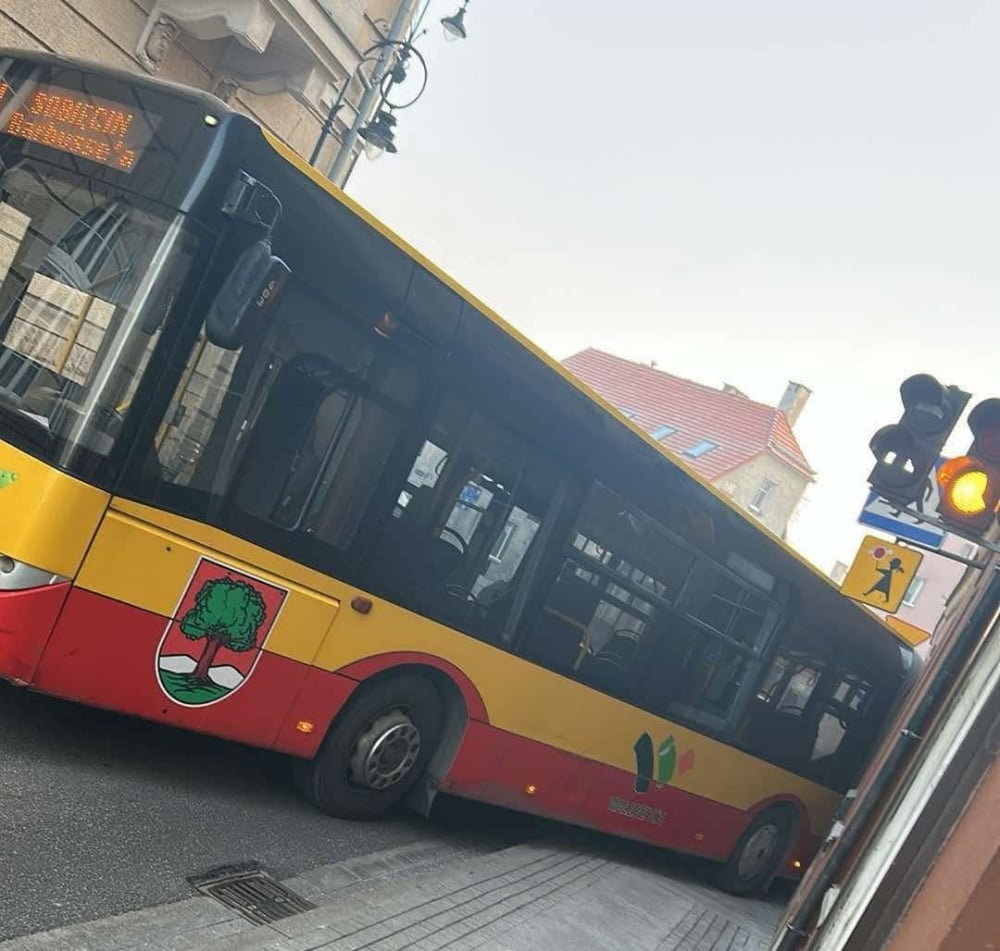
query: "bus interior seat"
559, 629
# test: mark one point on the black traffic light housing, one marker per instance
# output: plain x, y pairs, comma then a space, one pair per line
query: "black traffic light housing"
970, 484
906, 452
984, 421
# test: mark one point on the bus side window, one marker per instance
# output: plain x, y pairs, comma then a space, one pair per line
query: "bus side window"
781, 721
457, 543
620, 572
844, 733
283, 441
703, 659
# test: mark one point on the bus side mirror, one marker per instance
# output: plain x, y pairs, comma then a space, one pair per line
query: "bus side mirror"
251, 288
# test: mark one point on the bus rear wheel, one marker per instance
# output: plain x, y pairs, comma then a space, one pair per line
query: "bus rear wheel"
758, 854
376, 749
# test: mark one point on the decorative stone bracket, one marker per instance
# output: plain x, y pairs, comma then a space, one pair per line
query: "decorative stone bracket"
249, 22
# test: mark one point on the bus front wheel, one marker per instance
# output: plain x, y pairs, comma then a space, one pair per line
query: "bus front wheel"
376, 749
758, 854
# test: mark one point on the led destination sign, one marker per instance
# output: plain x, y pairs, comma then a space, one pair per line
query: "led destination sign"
78, 123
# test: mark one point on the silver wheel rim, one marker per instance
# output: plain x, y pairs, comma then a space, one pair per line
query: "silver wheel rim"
758, 852
385, 753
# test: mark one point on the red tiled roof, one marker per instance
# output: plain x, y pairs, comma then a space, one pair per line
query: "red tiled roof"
741, 427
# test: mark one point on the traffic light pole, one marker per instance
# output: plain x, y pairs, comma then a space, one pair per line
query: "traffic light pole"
986, 543
950, 555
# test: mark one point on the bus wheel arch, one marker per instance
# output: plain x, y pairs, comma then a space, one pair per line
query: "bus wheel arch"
396, 735
761, 850
385, 665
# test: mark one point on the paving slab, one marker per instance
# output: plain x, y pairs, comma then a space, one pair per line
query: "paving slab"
432, 897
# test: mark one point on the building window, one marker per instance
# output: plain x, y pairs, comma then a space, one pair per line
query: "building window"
627, 413
913, 592
760, 496
700, 448
967, 550
661, 432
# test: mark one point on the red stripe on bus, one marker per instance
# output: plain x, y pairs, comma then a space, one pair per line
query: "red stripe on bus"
522, 774
26, 621
103, 652
319, 700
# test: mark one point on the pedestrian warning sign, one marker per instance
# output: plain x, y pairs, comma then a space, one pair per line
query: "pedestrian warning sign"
881, 573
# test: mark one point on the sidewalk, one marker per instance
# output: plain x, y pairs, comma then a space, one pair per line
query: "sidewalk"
429, 897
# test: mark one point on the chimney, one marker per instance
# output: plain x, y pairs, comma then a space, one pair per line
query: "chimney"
733, 391
794, 401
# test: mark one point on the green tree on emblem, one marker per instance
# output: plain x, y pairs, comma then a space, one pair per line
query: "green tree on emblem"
226, 613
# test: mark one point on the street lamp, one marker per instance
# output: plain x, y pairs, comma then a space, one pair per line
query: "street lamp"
396, 73
379, 135
390, 56
454, 26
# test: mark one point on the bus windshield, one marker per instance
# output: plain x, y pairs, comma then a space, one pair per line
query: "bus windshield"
88, 275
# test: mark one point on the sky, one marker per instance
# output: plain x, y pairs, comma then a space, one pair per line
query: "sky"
743, 192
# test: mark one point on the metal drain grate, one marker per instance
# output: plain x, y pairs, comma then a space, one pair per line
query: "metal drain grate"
249, 890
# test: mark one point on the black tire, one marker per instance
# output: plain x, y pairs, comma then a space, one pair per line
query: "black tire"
759, 853
375, 728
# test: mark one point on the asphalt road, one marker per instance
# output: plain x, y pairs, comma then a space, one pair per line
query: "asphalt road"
101, 814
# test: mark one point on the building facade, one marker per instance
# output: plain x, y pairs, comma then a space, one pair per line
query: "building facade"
282, 62
748, 450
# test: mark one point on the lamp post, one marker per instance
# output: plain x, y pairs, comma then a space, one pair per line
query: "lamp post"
396, 73
390, 57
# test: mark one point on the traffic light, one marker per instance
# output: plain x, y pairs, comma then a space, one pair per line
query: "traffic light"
970, 484
906, 452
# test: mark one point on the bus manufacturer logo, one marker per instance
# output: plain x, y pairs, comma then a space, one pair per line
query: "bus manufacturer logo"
214, 639
662, 766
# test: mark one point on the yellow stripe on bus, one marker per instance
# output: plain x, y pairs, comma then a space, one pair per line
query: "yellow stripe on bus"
144, 557
47, 518
142, 562
533, 702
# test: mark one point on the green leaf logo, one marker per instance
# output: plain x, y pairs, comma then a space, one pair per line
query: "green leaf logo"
666, 760
7, 478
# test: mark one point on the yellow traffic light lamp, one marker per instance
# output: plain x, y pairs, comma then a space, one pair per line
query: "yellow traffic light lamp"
965, 492
970, 484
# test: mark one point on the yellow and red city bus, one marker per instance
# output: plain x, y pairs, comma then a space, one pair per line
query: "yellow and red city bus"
268, 474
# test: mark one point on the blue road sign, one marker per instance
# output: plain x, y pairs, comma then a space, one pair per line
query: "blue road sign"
878, 513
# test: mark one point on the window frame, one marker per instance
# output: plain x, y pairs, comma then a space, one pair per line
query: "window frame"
968, 550
502, 541
701, 448
104, 470
761, 495
525, 578
344, 563
913, 591
702, 564
757, 656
